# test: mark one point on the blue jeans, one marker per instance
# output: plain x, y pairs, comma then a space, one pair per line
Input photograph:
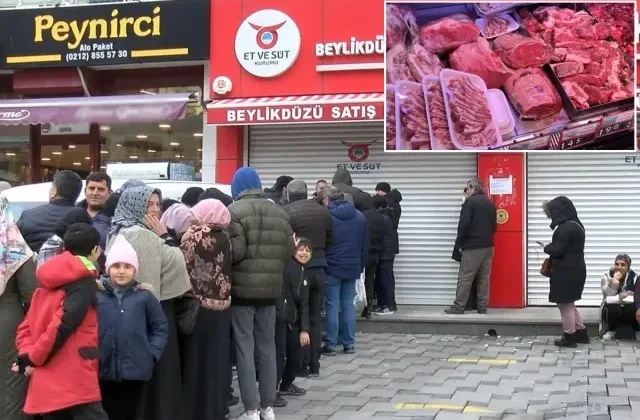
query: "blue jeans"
339, 294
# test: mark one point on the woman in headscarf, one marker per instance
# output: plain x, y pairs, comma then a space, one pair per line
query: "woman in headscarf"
568, 268
137, 218
177, 219
207, 250
17, 284
618, 309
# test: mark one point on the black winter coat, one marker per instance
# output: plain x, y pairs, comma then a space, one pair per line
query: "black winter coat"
393, 200
38, 224
342, 180
377, 232
293, 304
312, 221
566, 252
477, 222
390, 243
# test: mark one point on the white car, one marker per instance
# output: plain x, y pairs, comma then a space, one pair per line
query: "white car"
29, 196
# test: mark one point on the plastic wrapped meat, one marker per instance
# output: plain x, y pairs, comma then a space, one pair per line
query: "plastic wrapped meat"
422, 63
440, 137
495, 26
470, 114
401, 24
413, 114
532, 94
397, 65
448, 33
391, 118
477, 58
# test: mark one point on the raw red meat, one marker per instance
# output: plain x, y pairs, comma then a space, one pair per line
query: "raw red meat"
578, 96
589, 31
397, 67
598, 95
530, 22
390, 136
438, 114
448, 33
401, 24
422, 63
495, 25
470, 114
413, 115
619, 19
580, 56
567, 69
559, 55
584, 79
519, 51
478, 58
532, 94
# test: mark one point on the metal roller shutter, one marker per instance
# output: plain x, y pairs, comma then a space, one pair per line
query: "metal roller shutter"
431, 185
603, 187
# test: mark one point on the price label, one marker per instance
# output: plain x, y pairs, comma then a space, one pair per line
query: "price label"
576, 137
615, 128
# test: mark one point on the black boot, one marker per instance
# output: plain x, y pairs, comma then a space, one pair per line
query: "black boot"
581, 336
567, 340
366, 312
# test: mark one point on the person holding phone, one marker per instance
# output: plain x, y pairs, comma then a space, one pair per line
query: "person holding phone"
618, 319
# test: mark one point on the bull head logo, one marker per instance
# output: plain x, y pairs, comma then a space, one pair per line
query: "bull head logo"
358, 152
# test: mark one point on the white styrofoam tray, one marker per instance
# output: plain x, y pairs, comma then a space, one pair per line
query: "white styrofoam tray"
499, 9
477, 81
402, 88
435, 145
512, 25
500, 111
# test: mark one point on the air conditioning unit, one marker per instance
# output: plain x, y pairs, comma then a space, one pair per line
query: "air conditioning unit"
65, 129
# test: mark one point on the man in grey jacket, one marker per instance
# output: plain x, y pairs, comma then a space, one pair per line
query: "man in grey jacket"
262, 242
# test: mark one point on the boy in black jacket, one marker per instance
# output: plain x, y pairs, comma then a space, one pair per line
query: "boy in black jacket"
292, 321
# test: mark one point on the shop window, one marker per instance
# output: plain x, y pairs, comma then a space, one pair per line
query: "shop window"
170, 141
14, 154
57, 158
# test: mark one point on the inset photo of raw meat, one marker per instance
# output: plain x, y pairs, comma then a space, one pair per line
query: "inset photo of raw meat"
510, 76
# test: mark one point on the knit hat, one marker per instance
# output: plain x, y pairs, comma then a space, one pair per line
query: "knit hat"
190, 196
384, 187
121, 251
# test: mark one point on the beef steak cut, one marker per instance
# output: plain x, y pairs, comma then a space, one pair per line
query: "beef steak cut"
519, 51
567, 69
448, 33
532, 94
478, 58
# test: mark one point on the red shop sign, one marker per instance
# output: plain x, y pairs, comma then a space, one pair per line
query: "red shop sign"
284, 48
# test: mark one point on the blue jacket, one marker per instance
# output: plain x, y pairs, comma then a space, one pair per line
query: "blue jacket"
102, 224
349, 250
38, 224
133, 331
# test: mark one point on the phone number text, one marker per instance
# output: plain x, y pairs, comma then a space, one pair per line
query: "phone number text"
95, 55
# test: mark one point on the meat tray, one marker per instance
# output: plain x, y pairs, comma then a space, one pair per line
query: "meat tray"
512, 25
477, 81
571, 110
435, 144
401, 90
501, 111
494, 11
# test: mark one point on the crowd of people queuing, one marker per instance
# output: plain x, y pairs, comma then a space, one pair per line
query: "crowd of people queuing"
127, 306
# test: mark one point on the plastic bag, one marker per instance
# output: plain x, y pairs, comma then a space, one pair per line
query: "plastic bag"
360, 301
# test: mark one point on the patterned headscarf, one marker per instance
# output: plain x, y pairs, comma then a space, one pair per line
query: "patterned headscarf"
131, 209
14, 251
132, 183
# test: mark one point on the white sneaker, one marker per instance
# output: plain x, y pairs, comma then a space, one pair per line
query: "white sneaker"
247, 416
267, 414
609, 335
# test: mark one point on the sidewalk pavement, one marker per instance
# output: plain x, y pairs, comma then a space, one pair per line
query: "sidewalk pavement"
438, 377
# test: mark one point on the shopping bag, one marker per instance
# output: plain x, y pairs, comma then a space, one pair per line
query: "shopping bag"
360, 300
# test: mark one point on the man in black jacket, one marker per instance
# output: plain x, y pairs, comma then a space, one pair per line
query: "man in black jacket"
312, 221
38, 224
342, 180
377, 231
476, 228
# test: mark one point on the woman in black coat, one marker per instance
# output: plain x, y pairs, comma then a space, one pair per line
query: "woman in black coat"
568, 269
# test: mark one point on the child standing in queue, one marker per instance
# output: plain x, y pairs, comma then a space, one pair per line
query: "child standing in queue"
292, 322
133, 332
